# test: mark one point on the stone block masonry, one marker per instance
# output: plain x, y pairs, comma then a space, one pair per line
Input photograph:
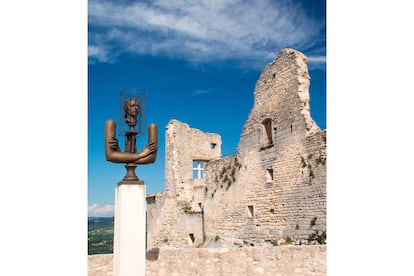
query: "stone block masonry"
175, 218
275, 261
272, 191
184, 147
275, 187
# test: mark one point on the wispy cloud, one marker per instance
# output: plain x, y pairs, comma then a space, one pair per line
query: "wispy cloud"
317, 59
202, 92
316, 62
198, 31
95, 210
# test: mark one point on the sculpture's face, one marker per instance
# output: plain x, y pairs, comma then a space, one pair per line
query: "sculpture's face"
133, 107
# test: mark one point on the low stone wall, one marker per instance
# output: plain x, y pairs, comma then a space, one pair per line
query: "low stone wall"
275, 261
100, 265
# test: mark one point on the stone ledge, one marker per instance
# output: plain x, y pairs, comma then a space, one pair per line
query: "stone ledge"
278, 260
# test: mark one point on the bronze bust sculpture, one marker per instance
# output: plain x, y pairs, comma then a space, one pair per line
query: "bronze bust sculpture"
130, 156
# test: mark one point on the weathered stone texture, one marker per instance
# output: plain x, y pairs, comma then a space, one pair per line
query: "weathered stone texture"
183, 145
100, 265
281, 172
273, 189
280, 260
174, 218
170, 225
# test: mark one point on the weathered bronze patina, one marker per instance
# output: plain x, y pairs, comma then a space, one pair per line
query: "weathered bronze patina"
130, 156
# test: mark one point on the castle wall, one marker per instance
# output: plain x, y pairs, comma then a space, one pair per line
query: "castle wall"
174, 218
183, 145
278, 189
172, 225
272, 190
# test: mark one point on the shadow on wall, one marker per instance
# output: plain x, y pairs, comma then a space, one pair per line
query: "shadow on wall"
152, 254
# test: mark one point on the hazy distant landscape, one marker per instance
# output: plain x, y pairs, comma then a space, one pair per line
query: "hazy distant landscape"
100, 235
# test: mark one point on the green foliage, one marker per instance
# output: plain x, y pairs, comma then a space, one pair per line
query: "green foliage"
320, 238
274, 242
320, 160
185, 207
297, 227
237, 163
228, 174
100, 235
288, 240
216, 238
233, 171
311, 175
303, 162
313, 221
238, 244
223, 171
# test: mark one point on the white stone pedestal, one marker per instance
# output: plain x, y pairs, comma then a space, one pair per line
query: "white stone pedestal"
129, 229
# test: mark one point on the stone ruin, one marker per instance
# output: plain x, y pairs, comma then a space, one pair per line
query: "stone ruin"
273, 191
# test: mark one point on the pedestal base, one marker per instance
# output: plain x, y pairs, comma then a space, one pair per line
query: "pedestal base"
129, 229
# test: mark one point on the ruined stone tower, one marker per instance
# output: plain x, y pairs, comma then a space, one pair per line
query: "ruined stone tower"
272, 190
187, 151
175, 218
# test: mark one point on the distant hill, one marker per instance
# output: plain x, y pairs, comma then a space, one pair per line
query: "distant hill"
100, 235
100, 218
100, 222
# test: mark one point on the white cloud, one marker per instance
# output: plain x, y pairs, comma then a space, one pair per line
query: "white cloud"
95, 210
198, 31
99, 54
202, 92
317, 59
316, 62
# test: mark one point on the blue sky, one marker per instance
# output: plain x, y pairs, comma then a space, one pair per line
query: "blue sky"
198, 62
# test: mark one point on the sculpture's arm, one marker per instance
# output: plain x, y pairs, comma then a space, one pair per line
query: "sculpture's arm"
115, 155
152, 144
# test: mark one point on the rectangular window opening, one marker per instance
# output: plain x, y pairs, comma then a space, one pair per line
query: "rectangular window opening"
150, 199
250, 211
267, 139
198, 169
192, 238
269, 175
